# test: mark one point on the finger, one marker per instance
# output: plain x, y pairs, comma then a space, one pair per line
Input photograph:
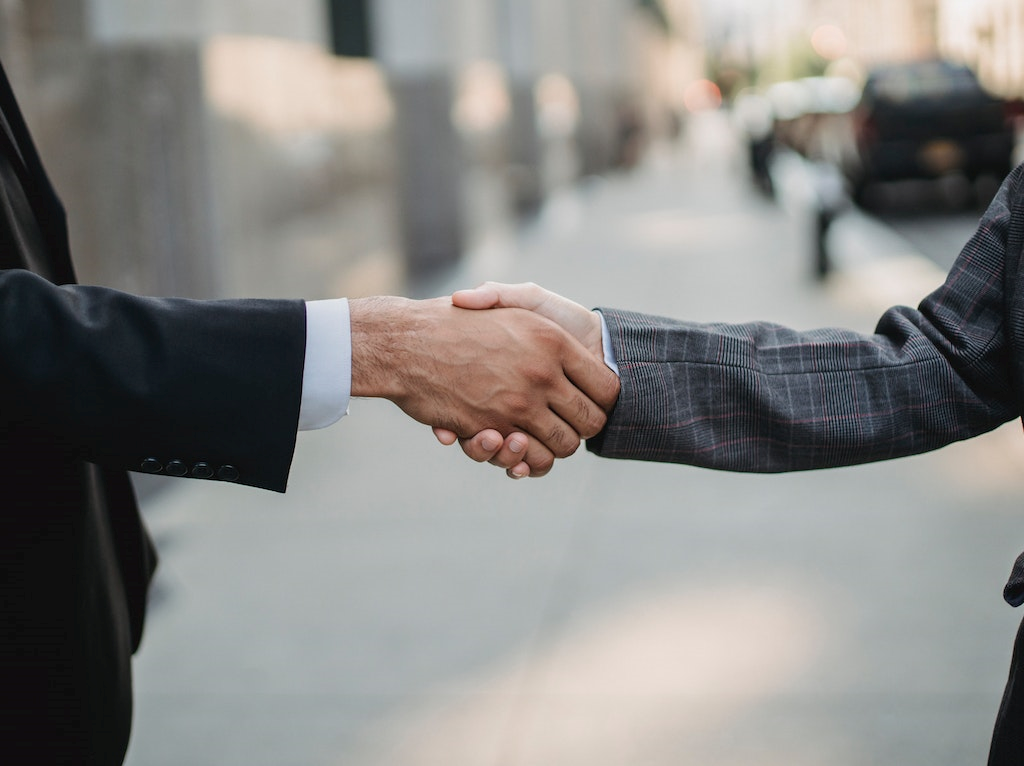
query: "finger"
573, 407
598, 385
446, 437
539, 459
497, 295
556, 434
513, 451
484, 446
580, 414
483, 297
564, 413
520, 449
520, 471
523, 456
578, 321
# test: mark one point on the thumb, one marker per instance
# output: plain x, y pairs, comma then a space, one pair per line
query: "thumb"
491, 295
445, 436
569, 315
483, 297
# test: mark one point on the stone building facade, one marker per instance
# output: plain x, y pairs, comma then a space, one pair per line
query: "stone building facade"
221, 147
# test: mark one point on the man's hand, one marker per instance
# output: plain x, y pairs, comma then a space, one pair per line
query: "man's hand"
474, 372
576, 320
580, 322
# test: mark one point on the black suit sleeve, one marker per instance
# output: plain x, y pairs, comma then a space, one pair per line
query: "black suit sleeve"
208, 389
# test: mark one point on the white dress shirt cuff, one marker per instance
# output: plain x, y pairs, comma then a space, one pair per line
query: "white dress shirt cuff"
606, 342
327, 375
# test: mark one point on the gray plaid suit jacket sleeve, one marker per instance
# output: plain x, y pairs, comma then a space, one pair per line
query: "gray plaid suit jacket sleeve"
759, 397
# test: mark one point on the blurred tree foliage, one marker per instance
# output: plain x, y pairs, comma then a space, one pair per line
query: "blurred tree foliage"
791, 62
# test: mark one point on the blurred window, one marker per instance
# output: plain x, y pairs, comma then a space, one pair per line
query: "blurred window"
350, 28
926, 80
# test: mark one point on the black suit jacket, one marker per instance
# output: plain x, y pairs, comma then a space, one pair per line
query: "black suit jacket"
94, 383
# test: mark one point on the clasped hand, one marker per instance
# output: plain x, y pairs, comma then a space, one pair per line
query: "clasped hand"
518, 384
518, 453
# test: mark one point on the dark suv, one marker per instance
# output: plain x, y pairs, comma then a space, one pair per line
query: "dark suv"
927, 119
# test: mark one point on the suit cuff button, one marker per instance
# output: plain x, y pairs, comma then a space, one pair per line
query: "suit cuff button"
202, 471
227, 473
176, 468
151, 465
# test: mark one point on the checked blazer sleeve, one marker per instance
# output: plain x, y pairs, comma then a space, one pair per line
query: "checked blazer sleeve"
763, 398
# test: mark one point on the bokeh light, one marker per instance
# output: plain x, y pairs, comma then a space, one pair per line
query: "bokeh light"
702, 96
829, 42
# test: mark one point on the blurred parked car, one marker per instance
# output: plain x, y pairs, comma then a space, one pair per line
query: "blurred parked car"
812, 114
807, 116
927, 119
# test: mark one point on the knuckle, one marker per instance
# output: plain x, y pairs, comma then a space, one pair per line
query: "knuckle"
503, 461
612, 391
471, 451
519, 407
541, 465
541, 375
561, 443
591, 418
595, 425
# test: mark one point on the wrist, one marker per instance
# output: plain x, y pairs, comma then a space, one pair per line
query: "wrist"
381, 328
594, 339
607, 350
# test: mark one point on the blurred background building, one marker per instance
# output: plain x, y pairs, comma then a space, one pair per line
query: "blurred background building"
782, 39
324, 147
785, 39
988, 35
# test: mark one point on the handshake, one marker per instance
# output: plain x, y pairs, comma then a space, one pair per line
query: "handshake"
515, 373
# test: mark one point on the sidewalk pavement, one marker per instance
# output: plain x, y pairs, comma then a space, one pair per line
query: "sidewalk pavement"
401, 606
